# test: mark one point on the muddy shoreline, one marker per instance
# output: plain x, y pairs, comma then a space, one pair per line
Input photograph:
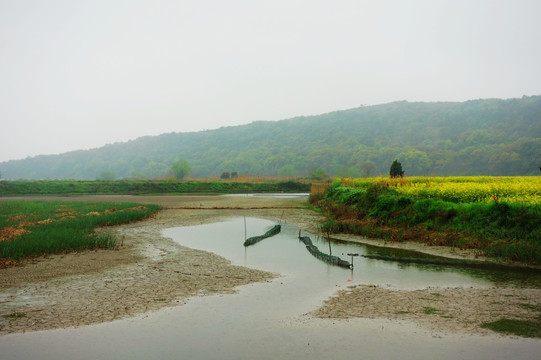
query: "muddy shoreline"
150, 272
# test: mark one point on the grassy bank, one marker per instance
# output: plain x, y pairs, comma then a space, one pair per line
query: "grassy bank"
35, 228
138, 187
506, 230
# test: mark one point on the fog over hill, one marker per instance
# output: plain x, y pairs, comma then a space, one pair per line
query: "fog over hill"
477, 137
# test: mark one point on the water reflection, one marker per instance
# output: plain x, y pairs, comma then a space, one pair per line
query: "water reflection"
285, 254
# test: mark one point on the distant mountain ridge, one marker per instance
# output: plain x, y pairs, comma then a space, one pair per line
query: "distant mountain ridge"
476, 137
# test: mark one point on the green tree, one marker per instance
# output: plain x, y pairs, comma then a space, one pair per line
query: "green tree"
181, 168
396, 169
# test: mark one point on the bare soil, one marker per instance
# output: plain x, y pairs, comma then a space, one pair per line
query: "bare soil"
149, 272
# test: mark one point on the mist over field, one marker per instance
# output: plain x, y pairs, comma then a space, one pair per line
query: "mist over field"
478, 137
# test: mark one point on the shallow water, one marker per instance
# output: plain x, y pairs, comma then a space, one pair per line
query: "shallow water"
265, 320
284, 254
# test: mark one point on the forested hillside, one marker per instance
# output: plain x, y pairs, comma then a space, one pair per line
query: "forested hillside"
478, 137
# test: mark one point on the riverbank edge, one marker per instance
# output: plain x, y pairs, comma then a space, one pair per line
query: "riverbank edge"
468, 255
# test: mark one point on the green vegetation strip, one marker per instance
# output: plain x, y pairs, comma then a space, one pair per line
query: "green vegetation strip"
137, 187
34, 228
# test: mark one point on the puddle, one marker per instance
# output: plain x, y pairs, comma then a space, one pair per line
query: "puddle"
265, 320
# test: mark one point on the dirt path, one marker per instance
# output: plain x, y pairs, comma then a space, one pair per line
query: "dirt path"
150, 272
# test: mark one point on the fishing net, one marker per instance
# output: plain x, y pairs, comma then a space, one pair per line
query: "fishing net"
312, 249
255, 239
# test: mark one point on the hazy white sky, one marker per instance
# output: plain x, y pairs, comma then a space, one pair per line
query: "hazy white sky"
78, 74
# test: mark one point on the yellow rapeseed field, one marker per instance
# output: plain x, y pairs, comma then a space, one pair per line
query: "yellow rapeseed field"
464, 189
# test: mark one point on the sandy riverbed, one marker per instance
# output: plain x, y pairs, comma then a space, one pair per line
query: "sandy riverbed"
150, 272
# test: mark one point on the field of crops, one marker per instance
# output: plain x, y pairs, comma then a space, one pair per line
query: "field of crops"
464, 189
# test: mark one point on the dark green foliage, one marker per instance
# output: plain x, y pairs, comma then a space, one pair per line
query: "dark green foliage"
373, 192
433, 209
396, 169
384, 205
481, 137
344, 195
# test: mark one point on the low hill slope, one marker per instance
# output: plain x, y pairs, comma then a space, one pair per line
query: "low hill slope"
478, 137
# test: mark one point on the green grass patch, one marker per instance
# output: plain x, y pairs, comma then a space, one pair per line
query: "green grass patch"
34, 228
526, 328
430, 310
15, 315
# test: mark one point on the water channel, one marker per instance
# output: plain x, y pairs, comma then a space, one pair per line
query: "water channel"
268, 321
285, 255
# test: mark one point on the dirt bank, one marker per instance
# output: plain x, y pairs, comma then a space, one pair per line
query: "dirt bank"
150, 272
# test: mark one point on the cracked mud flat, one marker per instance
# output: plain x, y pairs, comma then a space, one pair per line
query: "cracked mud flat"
444, 310
150, 272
